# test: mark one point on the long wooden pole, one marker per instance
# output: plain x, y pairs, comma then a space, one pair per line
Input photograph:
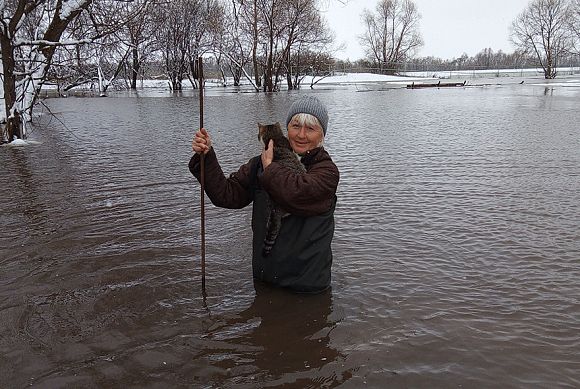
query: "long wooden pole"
202, 177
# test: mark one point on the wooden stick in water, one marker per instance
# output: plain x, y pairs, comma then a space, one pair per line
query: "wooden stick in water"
199, 69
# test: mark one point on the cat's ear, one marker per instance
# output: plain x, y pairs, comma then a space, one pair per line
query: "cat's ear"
260, 124
278, 124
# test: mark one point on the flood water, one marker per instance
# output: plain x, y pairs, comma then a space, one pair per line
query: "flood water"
456, 253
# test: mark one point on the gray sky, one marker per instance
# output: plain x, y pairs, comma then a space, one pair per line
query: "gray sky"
449, 27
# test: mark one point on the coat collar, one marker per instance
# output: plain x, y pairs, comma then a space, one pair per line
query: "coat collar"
310, 156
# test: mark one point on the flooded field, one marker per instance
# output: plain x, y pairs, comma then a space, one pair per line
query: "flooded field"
456, 253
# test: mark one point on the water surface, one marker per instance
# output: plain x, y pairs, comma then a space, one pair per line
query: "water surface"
457, 246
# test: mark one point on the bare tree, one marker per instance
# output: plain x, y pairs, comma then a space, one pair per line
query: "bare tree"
245, 35
247, 17
286, 27
270, 34
307, 32
183, 31
118, 45
255, 40
317, 65
46, 39
105, 57
575, 24
173, 29
273, 24
542, 29
30, 32
137, 35
233, 42
391, 33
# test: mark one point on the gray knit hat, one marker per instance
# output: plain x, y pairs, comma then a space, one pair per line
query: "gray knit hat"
310, 105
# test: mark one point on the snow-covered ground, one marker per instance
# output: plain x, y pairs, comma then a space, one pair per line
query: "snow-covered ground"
532, 72
364, 78
395, 81
408, 78
338, 79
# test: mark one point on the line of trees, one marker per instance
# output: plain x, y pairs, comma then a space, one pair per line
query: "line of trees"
77, 42
266, 42
486, 59
545, 34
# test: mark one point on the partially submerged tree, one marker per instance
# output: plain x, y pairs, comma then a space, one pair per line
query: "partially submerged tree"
308, 40
273, 25
316, 65
233, 43
287, 27
104, 58
184, 32
137, 35
46, 39
30, 32
269, 35
543, 30
124, 39
391, 33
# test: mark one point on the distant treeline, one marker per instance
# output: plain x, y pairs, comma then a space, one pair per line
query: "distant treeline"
486, 59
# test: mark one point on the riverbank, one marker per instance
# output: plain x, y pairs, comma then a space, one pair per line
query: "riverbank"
470, 78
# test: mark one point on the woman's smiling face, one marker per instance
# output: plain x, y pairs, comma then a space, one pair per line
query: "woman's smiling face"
304, 133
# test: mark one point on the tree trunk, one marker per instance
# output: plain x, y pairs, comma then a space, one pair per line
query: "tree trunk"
176, 84
287, 62
550, 68
13, 121
135, 69
257, 77
236, 74
268, 87
269, 73
289, 81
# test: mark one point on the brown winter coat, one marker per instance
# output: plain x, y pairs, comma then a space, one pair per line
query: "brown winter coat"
298, 194
301, 259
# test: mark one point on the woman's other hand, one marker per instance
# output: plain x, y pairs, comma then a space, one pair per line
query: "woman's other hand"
268, 155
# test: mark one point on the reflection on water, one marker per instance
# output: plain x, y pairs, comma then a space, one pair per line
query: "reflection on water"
281, 339
456, 246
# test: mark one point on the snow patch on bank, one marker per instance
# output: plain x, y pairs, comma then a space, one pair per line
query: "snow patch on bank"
361, 78
21, 143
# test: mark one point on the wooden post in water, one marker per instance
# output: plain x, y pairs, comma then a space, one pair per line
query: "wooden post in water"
199, 69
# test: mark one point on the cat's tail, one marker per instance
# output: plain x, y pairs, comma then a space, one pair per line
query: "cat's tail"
268, 244
273, 225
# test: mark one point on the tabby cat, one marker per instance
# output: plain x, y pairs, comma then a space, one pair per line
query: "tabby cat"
284, 155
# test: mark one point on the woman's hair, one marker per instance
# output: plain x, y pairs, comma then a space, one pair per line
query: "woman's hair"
305, 119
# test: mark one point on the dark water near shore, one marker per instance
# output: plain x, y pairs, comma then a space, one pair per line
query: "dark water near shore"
457, 246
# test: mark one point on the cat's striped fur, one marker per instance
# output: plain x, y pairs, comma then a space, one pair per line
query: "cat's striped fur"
284, 155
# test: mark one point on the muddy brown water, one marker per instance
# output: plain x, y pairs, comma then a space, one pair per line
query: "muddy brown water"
456, 253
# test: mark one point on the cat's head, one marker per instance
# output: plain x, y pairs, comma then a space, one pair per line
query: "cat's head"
267, 131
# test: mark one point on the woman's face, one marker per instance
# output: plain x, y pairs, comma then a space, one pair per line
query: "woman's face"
304, 137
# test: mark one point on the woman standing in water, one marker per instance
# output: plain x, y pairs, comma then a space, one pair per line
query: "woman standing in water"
301, 258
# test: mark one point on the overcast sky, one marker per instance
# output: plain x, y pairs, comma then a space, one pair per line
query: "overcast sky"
449, 27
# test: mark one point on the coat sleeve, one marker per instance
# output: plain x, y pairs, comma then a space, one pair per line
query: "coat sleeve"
306, 194
231, 192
